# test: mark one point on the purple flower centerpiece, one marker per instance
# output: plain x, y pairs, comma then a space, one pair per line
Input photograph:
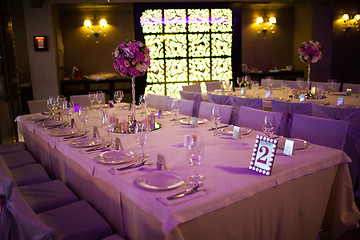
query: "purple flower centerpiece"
310, 52
131, 59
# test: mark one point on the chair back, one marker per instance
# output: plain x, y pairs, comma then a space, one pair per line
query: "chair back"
192, 88
276, 83
225, 111
83, 100
291, 84
237, 102
288, 109
196, 97
219, 99
326, 85
253, 118
186, 107
37, 106
326, 132
157, 101
211, 86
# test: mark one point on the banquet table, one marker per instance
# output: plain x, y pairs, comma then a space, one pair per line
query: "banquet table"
352, 101
306, 192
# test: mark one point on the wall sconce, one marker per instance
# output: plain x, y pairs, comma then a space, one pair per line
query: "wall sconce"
95, 26
265, 23
350, 21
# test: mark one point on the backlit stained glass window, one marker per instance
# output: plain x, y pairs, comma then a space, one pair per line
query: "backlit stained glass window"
187, 46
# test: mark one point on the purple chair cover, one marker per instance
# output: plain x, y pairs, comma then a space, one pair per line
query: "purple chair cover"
113, 237
352, 142
237, 102
326, 132
219, 99
18, 159
76, 221
196, 97
288, 109
186, 107
225, 111
45, 196
252, 118
12, 147
195, 88
29, 174
355, 88
157, 101
211, 86
291, 84
325, 86
276, 83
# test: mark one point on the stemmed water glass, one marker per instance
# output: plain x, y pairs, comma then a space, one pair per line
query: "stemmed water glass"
142, 101
118, 96
175, 109
268, 126
195, 154
332, 86
92, 98
255, 87
99, 97
141, 133
300, 83
247, 80
51, 103
83, 116
216, 117
108, 121
68, 108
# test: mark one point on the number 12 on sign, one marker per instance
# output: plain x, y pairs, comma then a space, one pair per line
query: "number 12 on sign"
263, 155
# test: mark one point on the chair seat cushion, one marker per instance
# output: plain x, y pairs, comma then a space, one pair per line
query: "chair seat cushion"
12, 147
45, 196
29, 174
18, 158
76, 221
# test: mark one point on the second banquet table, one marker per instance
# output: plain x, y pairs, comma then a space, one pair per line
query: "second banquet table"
305, 192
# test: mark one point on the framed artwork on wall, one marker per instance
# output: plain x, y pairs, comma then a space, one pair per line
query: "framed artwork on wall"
40, 43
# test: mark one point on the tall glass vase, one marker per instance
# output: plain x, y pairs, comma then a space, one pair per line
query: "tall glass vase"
133, 95
308, 78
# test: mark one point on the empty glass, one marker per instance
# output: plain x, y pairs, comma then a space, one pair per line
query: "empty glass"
108, 122
332, 86
268, 126
255, 87
83, 116
216, 117
99, 97
141, 132
92, 98
175, 109
142, 101
300, 83
195, 154
118, 96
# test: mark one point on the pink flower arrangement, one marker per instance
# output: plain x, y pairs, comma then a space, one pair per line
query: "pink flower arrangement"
131, 59
310, 51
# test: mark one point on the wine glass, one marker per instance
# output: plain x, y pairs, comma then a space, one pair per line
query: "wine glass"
195, 154
142, 101
216, 117
141, 132
108, 121
83, 116
247, 81
255, 87
284, 88
118, 96
175, 109
50, 103
99, 97
300, 83
268, 126
332, 86
92, 98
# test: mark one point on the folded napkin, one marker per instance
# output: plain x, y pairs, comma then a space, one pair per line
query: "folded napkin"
173, 202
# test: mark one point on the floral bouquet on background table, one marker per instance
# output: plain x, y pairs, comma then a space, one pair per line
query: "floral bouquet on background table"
310, 51
131, 59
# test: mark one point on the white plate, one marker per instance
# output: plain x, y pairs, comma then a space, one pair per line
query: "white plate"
87, 142
51, 123
187, 121
160, 180
230, 130
117, 157
61, 132
299, 144
38, 117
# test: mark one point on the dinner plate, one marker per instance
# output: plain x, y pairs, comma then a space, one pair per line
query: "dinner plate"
51, 123
117, 157
187, 121
299, 144
87, 142
38, 117
160, 180
61, 132
230, 130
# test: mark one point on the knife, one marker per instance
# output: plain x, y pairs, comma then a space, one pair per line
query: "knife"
187, 192
210, 129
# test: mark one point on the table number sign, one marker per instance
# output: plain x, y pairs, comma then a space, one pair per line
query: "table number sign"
242, 92
263, 155
340, 101
302, 97
236, 132
161, 164
118, 144
268, 94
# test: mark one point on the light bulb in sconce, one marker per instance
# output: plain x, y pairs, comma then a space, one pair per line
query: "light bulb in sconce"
266, 23
350, 21
96, 27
